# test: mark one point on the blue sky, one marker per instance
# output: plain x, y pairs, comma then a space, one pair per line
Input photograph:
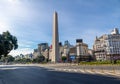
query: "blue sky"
31, 20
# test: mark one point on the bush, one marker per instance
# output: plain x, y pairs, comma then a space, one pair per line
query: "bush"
96, 62
23, 60
39, 59
64, 58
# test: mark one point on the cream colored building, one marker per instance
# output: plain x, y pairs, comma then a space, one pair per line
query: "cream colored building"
43, 49
35, 53
107, 47
82, 50
99, 48
64, 50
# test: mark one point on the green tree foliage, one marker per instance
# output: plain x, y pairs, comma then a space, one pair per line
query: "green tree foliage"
64, 58
8, 42
9, 58
23, 60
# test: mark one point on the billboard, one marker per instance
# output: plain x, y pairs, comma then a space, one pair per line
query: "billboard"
72, 57
79, 40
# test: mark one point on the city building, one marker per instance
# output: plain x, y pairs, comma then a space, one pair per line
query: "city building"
107, 47
99, 48
36, 53
42, 47
91, 54
113, 45
61, 51
72, 54
81, 50
28, 56
66, 48
17, 57
43, 50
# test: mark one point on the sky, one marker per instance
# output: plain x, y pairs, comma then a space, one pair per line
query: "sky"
31, 20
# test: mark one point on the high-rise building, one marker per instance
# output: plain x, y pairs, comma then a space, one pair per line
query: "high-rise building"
107, 47
55, 40
66, 48
42, 47
36, 53
42, 50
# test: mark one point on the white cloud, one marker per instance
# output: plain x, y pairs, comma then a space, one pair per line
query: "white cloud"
25, 44
21, 51
14, 10
14, 1
25, 47
4, 26
9, 13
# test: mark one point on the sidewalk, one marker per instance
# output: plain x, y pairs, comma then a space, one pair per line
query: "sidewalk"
85, 69
110, 73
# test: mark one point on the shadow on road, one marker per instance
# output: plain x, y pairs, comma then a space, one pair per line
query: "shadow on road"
40, 75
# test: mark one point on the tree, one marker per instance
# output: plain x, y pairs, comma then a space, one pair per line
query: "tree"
23, 60
8, 42
39, 59
64, 58
26, 60
9, 58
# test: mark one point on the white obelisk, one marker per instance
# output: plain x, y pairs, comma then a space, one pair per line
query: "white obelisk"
55, 40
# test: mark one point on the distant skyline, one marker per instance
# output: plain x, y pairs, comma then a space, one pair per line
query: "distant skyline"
31, 20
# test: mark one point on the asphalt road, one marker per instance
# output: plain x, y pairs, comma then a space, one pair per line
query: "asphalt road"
39, 75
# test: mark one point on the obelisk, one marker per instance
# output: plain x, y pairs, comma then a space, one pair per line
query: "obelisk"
55, 39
